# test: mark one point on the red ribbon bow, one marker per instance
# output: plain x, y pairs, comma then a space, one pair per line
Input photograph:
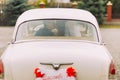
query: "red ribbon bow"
38, 73
71, 72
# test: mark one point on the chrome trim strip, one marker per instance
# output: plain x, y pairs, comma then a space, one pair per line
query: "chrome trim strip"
56, 66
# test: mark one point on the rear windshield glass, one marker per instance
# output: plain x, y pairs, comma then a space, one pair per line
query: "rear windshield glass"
56, 29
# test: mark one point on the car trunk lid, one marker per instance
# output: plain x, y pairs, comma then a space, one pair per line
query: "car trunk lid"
89, 60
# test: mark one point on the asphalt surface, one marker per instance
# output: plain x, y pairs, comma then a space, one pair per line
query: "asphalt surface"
5, 37
111, 37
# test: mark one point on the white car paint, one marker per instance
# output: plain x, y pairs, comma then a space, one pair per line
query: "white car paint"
91, 60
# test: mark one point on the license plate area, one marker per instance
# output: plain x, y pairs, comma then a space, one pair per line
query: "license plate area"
51, 74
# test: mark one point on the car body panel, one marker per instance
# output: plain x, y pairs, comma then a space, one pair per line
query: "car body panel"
77, 53
90, 59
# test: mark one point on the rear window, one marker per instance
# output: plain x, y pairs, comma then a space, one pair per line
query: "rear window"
57, 29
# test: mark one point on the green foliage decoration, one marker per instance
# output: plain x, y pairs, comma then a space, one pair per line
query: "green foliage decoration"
116, 8
13, 9
96, 7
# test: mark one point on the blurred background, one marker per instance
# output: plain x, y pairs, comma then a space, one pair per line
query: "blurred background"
11, 9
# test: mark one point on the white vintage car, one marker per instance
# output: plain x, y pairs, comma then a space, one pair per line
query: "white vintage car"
56, 44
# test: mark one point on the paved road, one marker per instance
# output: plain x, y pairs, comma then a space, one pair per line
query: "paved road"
110, 36
5, 37
112, 39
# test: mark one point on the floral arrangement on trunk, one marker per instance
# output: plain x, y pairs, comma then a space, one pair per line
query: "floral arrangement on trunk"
62, 74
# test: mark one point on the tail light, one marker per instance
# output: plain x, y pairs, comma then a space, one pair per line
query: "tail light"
112, 70
1, 69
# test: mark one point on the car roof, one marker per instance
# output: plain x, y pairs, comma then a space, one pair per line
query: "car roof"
57, 13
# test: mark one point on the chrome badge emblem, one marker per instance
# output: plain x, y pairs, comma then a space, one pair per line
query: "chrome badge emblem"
56, 66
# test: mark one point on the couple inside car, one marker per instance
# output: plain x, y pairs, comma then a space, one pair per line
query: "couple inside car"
59, 28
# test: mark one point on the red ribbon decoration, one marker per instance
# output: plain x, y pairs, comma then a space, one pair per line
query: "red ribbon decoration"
71, 72
38, 73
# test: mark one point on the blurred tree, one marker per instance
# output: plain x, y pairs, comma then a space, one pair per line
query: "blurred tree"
96, 7
13, 9
116, 8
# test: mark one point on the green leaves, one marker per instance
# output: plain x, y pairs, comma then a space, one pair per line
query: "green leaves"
13, 9
97, 8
